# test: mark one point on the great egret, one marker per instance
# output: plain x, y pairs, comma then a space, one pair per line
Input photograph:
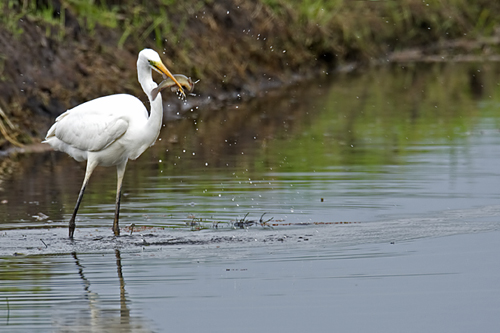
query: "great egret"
111, 130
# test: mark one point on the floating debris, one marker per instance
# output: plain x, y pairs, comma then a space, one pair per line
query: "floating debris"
244, 223
198, 223
40, 217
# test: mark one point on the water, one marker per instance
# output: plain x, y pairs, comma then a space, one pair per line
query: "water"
382, 194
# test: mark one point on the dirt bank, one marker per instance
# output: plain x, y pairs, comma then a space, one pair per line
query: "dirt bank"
55, 54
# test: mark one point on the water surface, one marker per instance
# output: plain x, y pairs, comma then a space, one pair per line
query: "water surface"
382, 194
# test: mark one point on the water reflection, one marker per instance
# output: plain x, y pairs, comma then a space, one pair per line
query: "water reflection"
269, 287
43, 292
101, 317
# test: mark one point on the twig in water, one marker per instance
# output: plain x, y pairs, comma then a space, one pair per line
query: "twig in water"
264, 223
8, 310
243, 223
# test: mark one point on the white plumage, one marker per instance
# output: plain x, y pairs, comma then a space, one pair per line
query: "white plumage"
86, 128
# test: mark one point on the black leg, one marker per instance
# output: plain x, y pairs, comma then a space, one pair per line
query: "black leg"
72, 224
116, 228
90, 168
120, 171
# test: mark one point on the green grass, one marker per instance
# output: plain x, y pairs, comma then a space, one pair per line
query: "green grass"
359, 23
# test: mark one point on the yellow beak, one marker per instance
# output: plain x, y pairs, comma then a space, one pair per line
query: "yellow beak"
160, 67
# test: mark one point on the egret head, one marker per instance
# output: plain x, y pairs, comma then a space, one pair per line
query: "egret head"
149, 55
153, 60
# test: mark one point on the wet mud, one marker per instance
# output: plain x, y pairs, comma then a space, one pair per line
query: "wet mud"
159, 240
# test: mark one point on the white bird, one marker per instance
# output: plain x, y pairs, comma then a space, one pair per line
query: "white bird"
111, 130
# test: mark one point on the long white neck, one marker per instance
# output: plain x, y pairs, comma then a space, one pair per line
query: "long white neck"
154, 123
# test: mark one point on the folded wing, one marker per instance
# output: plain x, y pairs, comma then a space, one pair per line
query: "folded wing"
87, 129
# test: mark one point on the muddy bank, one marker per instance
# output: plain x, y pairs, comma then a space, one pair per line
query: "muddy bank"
56, 54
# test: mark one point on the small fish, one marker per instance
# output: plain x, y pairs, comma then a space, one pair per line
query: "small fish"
167, 82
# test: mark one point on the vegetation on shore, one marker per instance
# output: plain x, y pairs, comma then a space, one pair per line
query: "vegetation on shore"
55, 54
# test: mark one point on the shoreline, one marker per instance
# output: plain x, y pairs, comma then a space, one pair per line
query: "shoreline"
55, 56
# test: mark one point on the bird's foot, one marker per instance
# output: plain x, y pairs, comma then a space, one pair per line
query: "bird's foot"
71, 229
116, 230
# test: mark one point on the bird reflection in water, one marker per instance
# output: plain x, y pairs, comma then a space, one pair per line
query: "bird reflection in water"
100, 318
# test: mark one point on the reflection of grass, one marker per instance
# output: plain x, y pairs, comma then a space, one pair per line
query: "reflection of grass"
16, 271
375, 120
